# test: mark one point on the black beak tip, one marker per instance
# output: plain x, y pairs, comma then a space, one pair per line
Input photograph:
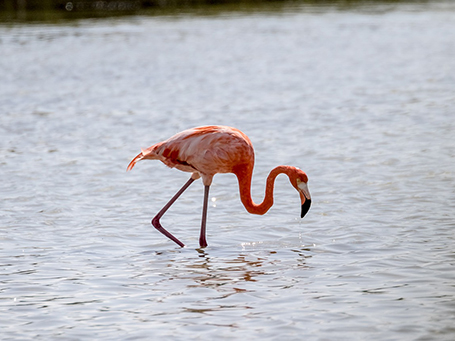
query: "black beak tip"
305, 207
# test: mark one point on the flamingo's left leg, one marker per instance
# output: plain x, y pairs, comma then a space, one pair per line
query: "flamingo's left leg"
156, 220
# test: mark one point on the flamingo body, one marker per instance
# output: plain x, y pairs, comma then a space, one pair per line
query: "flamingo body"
205, 151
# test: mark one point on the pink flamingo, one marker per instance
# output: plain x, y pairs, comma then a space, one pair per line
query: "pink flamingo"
205, 151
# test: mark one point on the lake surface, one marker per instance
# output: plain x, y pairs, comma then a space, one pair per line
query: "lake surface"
362, 100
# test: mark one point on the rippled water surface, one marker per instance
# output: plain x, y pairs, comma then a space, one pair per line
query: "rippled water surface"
362, 101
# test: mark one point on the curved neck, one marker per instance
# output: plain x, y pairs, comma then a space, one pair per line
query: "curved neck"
244, 176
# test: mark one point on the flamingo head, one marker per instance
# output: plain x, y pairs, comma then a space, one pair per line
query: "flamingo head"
300, 182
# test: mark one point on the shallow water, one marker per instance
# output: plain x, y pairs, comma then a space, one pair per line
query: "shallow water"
362, 101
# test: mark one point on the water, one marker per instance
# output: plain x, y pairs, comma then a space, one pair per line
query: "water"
361, 100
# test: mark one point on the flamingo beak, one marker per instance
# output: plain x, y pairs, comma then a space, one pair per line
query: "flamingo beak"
305, 197
305, 207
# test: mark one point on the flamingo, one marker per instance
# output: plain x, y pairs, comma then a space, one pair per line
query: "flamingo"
205, 151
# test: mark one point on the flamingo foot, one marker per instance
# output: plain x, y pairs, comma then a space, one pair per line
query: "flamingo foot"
156, 223
202, 243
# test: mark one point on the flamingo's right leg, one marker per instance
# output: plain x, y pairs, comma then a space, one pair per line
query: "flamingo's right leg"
156, 221
202, 238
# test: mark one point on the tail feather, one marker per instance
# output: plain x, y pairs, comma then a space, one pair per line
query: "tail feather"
148, 153
133, 162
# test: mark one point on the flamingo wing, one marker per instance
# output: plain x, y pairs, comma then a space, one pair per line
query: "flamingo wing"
211, 149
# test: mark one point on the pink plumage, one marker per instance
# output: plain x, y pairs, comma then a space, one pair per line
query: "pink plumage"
204, 150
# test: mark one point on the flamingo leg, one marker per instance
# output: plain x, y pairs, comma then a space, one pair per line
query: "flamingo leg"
156, 220
202, 239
